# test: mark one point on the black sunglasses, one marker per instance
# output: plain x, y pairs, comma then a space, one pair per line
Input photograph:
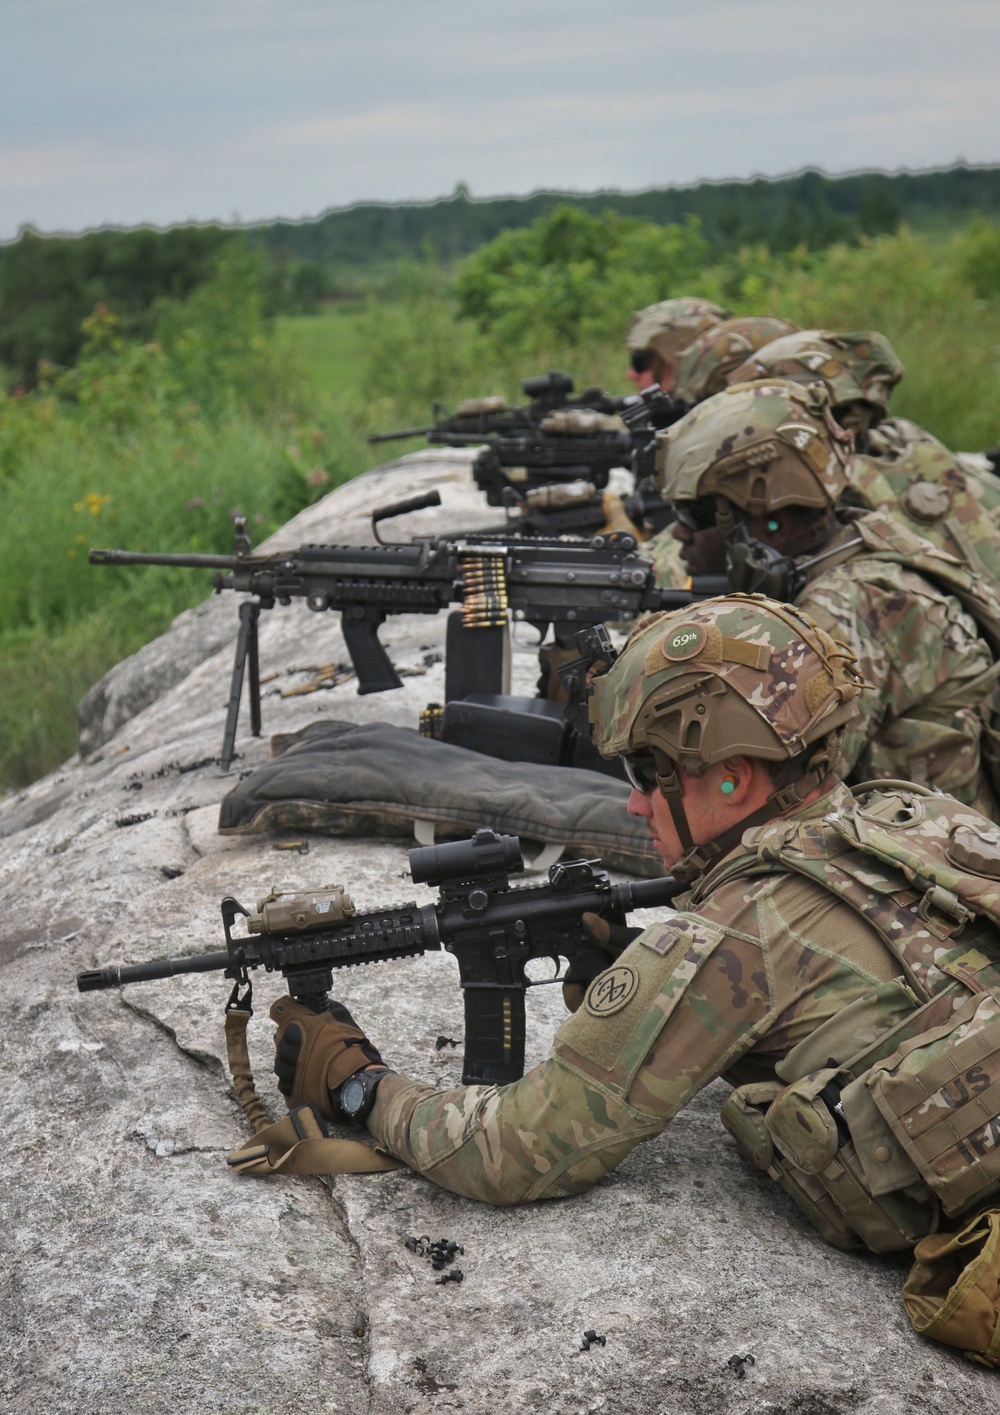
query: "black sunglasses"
697, 515
640, 768
641, 360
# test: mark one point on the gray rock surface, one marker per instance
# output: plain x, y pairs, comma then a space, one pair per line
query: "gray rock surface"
138, 1274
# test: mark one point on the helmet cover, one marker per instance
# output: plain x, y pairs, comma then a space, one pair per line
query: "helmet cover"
761, 445
667, 328
859, 367
740, 675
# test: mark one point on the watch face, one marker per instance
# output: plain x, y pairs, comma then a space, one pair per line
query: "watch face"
352, 1095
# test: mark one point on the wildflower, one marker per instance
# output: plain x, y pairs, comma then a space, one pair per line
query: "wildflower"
93, 503
195, 504
318, 476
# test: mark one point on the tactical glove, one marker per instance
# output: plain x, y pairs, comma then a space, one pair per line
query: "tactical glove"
609, 941
316, 1052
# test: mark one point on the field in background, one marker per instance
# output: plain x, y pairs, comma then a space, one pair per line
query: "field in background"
329, 348
155, 442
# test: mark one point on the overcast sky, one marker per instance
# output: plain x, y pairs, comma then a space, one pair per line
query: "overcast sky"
124, 111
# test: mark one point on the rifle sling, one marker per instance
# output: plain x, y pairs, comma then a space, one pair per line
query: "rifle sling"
296, 1144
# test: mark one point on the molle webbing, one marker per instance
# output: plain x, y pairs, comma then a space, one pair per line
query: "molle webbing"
897, 876
940, 1095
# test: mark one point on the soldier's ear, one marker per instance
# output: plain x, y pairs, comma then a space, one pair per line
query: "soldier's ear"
733, 780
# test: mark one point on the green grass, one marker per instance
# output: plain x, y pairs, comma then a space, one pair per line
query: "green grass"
153, 446
329, 347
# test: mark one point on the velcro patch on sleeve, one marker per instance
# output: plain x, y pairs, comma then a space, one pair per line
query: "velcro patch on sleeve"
621, 1019
660, 938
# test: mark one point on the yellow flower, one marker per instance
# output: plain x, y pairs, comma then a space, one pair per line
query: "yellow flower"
93, 503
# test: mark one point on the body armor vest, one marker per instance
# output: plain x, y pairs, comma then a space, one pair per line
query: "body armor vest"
923, 486
875, 1142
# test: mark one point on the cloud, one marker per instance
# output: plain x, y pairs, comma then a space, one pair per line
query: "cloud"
129, 111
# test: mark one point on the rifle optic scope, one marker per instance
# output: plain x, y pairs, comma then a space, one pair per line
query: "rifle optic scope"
550, 384
464, 859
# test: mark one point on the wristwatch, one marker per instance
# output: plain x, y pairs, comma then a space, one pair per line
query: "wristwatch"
356, 1095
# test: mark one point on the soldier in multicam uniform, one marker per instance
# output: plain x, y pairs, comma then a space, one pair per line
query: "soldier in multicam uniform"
727, 715
950, 498
661, 332
859, 371
815, 964
701, 370
704, 367
768, 462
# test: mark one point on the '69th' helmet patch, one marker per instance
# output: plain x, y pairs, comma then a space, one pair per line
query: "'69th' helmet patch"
612, 990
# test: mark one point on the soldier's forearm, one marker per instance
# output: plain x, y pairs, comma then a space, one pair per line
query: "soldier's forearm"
548, 1135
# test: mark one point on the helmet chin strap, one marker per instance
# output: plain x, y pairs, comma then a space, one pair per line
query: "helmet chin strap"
697, 860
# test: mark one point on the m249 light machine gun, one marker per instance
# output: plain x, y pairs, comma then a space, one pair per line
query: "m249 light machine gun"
562, 584
491, 928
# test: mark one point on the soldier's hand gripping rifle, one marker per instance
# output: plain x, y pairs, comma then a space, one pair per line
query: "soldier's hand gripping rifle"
492, 929
543, 582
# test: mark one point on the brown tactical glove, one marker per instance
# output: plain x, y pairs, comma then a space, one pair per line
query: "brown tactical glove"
609, 941
315, 1052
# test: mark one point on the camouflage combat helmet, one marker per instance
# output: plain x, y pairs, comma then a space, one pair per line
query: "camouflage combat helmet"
736, 676
855, 368
669, 327
703, 367
762, 446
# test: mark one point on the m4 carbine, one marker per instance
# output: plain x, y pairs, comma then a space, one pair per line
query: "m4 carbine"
563, 584
556, 442
492, 929
552, 482
478, 418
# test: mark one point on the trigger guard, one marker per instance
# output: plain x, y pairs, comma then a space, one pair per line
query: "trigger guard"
557, 977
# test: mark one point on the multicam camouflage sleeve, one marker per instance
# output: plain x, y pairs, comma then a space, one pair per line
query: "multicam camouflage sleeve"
687, 1001
922, 720
665, 552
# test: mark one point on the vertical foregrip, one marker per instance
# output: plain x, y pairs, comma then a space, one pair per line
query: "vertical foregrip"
494, 1035
360, 625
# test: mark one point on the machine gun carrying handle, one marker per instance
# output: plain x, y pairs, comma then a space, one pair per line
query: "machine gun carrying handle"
403, 508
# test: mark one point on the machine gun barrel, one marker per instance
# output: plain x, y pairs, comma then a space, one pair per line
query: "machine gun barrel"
189, 562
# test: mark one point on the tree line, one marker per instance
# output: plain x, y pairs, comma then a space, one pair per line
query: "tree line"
50, 284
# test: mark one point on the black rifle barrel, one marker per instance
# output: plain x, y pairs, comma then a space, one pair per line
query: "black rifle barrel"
401, 434
113, 977
649, 893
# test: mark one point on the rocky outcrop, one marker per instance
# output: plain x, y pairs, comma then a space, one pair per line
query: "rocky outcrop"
139, 1274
